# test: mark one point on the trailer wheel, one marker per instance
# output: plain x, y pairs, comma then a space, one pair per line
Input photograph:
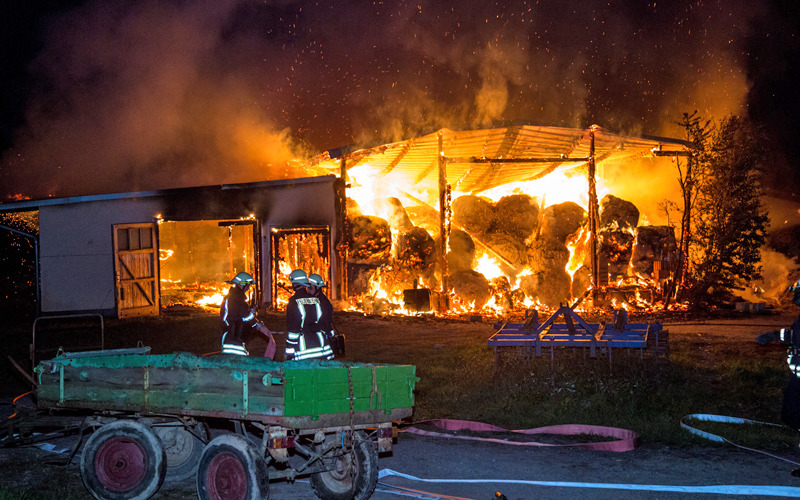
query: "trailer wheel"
354, 475
123, 460
182, 448
231, 469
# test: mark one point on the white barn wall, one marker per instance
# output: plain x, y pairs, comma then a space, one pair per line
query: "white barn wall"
76, 251
76, 234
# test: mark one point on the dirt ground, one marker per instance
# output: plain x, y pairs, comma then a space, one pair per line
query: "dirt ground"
649, 471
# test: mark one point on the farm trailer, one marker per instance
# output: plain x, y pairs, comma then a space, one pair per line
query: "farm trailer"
231, 422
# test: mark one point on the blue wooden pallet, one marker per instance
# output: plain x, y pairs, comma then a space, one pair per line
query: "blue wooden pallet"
573, 332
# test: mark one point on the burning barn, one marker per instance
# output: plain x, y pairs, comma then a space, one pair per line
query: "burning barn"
500, 218
451, 221
130, 254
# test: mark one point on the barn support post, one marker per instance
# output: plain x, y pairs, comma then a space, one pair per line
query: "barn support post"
342, 232
593, 215
444, 207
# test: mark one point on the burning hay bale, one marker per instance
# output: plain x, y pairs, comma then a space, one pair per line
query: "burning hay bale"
514, 219
473, 214
416, 249
505, 296
653, 243
462, 251
547, 253
618, 213
549, 283
561, 220
370, 240
550, 287
510, 248
471, 287
398, 218
616, 248
516, 215
581, 281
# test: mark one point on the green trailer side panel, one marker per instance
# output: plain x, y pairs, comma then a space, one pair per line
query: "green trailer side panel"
222, 385
377, 388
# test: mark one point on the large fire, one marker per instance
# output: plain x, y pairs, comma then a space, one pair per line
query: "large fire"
518, 234
197, 257
511, 248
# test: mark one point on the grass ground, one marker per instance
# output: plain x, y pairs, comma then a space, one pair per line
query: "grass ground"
707, 371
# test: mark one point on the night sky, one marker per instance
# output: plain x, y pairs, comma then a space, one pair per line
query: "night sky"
114, 96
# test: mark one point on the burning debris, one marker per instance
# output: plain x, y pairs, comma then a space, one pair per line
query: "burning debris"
196, 257
654, 244
512, 253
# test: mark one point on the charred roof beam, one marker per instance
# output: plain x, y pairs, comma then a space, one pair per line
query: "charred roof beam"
475, 159
658, 151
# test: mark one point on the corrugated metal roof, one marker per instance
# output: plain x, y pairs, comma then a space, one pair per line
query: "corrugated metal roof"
35, 204
478, 160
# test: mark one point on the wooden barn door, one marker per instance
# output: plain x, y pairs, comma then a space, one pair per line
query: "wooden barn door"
136, 269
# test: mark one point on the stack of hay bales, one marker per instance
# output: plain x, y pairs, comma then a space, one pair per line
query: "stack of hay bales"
548, 254
518, 234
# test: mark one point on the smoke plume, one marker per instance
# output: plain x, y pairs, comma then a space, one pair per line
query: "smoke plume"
151, 94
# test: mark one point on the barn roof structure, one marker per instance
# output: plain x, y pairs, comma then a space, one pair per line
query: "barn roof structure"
478, 160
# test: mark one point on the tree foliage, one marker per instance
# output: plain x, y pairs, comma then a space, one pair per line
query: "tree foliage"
698, 133
728, 220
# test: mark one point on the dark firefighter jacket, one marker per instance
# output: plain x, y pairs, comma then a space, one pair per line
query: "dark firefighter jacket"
237, 319
308, 320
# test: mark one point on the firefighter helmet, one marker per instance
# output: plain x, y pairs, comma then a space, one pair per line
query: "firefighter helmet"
316, 280
243, 279
298, 277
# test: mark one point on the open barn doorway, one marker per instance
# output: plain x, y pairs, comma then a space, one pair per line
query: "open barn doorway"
197, 257
305, 248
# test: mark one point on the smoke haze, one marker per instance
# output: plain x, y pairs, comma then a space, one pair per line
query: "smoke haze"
148, 94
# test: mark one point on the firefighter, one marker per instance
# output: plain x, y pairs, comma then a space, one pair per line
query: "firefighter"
306, 321
336, 341
790, 411
316, 284
238, 318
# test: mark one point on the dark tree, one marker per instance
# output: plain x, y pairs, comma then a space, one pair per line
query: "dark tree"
698, 133
728, 218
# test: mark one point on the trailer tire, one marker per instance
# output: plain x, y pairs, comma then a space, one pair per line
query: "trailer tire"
231, 469
123, 460
338, 484
183, 449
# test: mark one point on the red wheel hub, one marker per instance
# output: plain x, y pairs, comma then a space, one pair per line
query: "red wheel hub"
226, 478
121, 464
